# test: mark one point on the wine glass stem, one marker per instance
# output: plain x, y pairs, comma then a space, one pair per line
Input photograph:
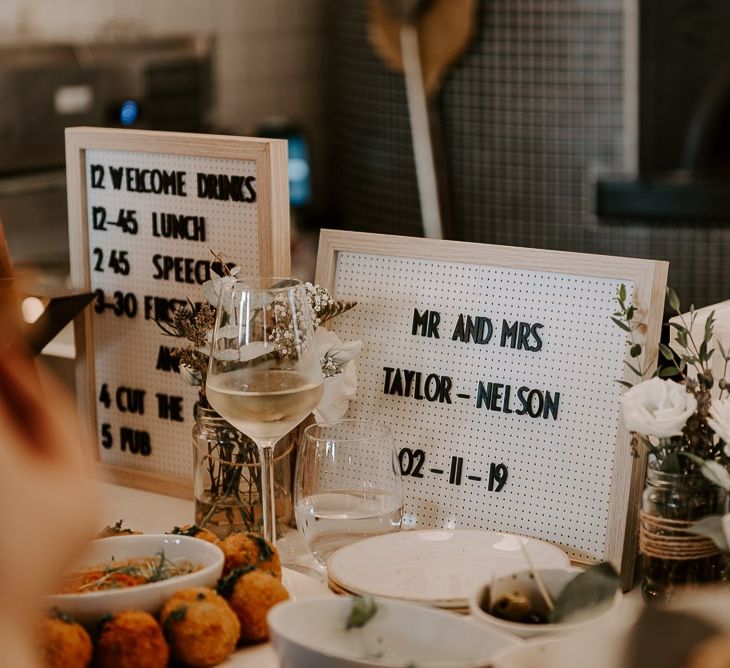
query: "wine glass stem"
266, 455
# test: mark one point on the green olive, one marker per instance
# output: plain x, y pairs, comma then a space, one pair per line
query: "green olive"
512, 607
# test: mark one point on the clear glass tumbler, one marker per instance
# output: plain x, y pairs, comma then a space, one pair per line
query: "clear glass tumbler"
347, 485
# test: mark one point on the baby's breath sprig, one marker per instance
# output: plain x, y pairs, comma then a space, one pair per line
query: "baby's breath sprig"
323, 306
194, 323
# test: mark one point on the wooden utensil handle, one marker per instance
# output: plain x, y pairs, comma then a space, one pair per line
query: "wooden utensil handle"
421, 133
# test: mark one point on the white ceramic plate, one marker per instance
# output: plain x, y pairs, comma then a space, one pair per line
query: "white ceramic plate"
300, 587
312, 634
435, 567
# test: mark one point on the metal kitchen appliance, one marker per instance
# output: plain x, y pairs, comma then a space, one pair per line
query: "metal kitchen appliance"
159, 83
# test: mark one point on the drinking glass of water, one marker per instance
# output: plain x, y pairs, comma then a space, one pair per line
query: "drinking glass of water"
348, 485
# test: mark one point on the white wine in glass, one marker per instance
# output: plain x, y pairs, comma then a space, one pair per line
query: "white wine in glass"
264, 375
264, 404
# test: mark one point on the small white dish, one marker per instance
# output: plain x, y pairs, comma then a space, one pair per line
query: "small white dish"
89, 607
435, 567
538, 653
312, 634
523, 582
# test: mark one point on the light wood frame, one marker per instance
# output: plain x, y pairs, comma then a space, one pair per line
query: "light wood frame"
272, 190
649, 278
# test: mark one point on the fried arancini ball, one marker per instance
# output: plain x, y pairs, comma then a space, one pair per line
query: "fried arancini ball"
251, 593
250, 549
194, 531
200, 627
64, 643
131, 639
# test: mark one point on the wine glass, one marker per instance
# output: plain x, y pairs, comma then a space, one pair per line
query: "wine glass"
347, 486
264, 374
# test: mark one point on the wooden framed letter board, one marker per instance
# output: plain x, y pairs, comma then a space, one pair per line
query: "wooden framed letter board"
496, 369
145, 211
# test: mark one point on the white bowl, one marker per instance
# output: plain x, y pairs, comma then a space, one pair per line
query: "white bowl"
524, 583
311, 634
88, 608
538, 653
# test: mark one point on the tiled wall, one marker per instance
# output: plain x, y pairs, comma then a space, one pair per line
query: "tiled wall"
269, 53
538, 108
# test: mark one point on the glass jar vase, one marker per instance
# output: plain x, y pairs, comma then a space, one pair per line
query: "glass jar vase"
227, 477
673, 558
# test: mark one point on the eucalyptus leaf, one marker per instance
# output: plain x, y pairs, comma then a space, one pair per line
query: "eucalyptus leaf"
712, 470
622, 292
673, 299
596, 585
671, 464
668, 372
621, 324
667, 352
711, 527
633, 368
717, 473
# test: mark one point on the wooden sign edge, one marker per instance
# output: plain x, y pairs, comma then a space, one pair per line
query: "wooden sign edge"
649, 278
271, 160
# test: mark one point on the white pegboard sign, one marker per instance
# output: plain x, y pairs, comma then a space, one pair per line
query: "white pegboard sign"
496, 369
146, 209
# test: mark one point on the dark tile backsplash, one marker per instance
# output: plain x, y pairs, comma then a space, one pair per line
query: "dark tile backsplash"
532, 115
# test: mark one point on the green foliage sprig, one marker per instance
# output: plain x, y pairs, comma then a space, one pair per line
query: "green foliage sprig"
625, 319
698, 439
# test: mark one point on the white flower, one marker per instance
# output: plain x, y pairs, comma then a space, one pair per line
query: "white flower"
719, 420
338, 390
212, 288
340, 387
658, 408
330, 347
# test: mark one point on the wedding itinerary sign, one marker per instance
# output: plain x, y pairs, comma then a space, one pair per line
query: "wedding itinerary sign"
496, 368
145, 211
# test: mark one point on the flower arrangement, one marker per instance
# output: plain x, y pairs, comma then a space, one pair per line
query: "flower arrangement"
683, 428
194, 322
227, 471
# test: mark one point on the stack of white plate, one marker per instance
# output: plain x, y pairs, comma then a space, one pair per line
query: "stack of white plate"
435, 567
